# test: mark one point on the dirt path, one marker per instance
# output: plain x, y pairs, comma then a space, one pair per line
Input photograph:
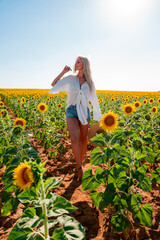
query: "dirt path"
8, 108
63, 165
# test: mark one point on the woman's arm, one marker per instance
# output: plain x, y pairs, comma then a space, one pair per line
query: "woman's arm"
65, 70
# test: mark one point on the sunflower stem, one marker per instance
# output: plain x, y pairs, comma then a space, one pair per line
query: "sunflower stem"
44, 209
37, 233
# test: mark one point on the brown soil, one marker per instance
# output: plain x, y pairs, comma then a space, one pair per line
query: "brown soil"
97, 223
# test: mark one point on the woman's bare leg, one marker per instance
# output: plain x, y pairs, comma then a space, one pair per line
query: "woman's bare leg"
83, 139
73, 128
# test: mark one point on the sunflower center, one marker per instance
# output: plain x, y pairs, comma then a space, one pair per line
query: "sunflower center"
25, 176
137, 104
154, 109
109, 121
42, 107
128, 109
19, 122
138, 143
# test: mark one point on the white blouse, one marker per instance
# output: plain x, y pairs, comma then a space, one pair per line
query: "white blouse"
79, 96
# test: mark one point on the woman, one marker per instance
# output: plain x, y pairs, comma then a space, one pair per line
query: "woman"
81, 90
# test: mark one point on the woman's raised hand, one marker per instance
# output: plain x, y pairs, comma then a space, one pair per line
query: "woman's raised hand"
66, 69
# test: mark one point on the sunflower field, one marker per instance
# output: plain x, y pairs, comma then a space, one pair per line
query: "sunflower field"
120, 181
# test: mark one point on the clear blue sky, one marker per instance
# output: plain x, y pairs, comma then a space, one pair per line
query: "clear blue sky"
120, 37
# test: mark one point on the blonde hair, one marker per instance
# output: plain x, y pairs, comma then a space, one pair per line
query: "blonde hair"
86, 71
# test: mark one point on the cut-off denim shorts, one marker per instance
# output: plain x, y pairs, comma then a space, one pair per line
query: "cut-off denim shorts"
71, 112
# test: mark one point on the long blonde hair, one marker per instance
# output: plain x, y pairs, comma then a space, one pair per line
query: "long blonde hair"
86, 71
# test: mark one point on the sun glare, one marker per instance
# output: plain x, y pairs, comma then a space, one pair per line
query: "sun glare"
122, 13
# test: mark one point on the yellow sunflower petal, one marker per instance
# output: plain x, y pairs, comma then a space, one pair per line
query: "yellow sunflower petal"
23, 176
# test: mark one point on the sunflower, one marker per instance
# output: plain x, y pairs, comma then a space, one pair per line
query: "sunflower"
154, 109
109, 121
128, 109
22, 99
100, 100
3, 113
19, 121
32, 98
59, 105
158, 100
151, 100
144, 101
23, 176
137, 144
42, 107
137, 104
1, 104
148, 117
18, 100
48, 98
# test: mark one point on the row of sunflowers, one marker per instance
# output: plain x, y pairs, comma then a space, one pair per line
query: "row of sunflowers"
24, 181
127, 152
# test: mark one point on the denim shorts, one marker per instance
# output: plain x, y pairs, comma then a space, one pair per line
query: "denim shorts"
71, 112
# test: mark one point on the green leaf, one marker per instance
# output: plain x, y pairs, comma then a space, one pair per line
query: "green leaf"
11, 151
98, 200
28, 195
89, 181
52, 183
124, 162
114, 173
27, 222
115, 151
140, 156
72, 229
107, 153
9, 205
150, 154
32, 153
43, 164
109, 194
99, 140
119, 222
123, 182
144, 215
97, 157
120, 202
118, 134
59, 234
101, 175
134, 201
143, 181
157, 138
148, 139
142, 169
19, 234
155, 176
60, 205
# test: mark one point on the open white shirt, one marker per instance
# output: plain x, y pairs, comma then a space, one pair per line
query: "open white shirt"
79, 96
